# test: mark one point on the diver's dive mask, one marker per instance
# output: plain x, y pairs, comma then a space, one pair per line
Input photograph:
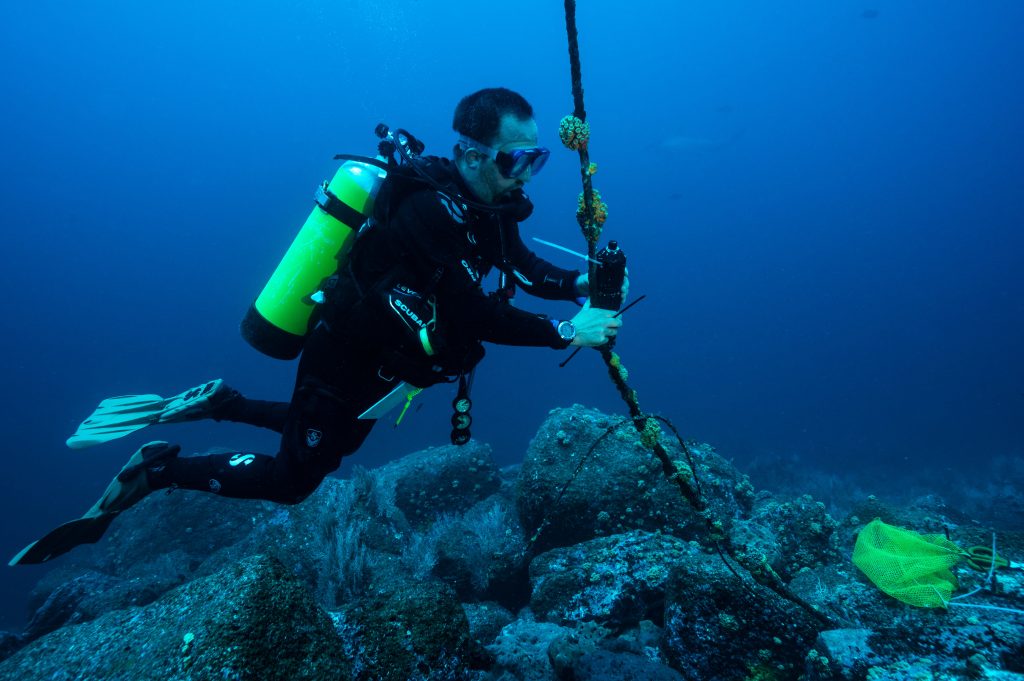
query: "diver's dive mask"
511, 164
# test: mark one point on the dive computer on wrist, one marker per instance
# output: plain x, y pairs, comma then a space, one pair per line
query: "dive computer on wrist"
566, 331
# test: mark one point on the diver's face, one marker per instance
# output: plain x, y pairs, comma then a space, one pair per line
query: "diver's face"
513, 133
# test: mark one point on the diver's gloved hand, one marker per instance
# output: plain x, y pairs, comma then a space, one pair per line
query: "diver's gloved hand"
583, 285
595, 326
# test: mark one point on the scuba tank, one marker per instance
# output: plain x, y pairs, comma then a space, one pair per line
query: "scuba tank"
279, 320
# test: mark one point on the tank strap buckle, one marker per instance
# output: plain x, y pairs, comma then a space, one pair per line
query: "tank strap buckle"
322, 196
336, 208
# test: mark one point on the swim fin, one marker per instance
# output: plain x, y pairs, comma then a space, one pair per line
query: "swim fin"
124, 491
119, 416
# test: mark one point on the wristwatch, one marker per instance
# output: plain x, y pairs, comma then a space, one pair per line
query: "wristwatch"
566, 331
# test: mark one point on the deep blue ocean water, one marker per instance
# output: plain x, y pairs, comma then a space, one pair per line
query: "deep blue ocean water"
822, 203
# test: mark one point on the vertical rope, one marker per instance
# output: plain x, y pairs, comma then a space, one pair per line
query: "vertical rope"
646, 425
589, 227
574, 60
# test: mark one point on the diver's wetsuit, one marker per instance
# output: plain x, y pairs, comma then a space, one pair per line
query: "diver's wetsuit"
425, 240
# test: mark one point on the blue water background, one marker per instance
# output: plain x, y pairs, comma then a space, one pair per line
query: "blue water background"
823, 207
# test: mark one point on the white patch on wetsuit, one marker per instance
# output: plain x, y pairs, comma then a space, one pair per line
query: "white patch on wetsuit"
214, 485
473, 274
313, 437
455, 210
241, 459
522, 279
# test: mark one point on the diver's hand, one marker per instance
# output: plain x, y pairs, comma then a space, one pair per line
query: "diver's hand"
595, 326
583, 285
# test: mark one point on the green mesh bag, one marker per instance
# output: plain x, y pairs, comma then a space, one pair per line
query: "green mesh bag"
910, 567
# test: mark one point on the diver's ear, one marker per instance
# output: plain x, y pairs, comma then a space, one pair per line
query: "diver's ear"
473, 157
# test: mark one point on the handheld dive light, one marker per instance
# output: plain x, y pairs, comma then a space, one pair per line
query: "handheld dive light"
606, 291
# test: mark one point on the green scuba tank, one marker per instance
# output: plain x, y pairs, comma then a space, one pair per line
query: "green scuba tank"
279, 320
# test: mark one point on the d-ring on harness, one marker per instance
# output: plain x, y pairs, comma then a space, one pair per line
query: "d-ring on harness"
461, 420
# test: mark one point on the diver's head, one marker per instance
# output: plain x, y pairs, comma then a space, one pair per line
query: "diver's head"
497, 150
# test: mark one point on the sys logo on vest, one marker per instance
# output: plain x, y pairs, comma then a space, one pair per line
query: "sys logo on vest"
241, 459
457, 211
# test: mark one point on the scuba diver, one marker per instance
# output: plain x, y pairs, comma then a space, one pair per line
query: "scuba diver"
403, 309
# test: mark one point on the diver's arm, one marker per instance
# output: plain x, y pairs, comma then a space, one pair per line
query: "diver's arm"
423, 229
536, 275
491, 319
426, 231
464, 307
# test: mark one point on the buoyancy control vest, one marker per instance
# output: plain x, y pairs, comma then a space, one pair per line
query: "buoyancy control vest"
392, 306
315, 269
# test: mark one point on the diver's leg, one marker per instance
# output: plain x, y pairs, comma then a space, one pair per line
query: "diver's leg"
116, 417
320, 430
334, 386
260, 413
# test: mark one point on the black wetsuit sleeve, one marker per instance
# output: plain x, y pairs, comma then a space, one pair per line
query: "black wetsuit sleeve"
537, 276
491, 319
429, 235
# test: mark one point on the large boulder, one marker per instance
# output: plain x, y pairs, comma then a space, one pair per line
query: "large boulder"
616, 581
621, 486
167, 539
486, 620
157, 545
330, 540
321, 540
10, 643
482, 553
721, 626
407, 629
71, 602
914, 648
254, 615
791, 535
440, 480
521, 650
604, 665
